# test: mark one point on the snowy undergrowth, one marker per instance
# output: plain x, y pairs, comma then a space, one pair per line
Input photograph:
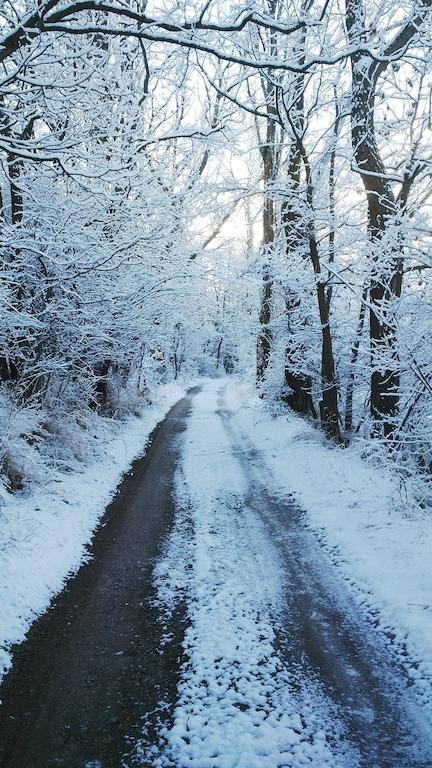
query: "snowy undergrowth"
239, 705
45, 528
380, 543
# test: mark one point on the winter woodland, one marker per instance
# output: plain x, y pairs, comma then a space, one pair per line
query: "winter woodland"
198, 189
188, 188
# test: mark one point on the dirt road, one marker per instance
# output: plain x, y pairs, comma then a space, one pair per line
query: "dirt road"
92, 665
262, 658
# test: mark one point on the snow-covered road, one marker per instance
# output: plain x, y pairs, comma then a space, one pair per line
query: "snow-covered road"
217, 625
281, 669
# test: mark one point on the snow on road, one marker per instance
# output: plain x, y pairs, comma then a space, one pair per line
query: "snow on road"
273, 673
367, 522
282, 668
239, 704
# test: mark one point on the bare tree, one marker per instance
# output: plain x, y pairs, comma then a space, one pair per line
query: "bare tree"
387, 270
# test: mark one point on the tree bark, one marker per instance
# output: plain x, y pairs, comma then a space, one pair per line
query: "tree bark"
299, 382
329, 410
268, 150
387, 272
297, 226
264, 342
354, 356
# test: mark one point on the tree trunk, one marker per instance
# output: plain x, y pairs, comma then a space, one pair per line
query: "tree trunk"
264, 341
300, 383
386, 278
332, 199
329, 403
354, 356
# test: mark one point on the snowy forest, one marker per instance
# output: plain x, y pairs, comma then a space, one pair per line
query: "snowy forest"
188, 188
207, 191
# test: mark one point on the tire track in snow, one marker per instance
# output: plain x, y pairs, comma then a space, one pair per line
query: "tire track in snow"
326, 638
240, 705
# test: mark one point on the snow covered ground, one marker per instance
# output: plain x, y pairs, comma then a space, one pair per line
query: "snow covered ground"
243, 700
44, 532
362, 516
240, 704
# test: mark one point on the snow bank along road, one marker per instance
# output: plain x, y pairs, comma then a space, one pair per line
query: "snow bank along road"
210, 630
